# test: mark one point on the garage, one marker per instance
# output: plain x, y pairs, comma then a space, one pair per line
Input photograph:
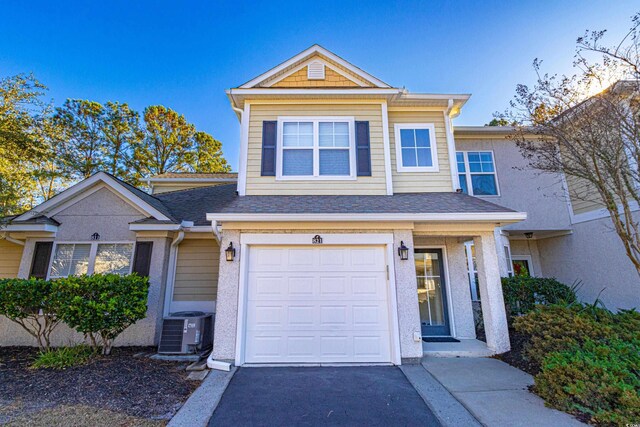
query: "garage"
317, 304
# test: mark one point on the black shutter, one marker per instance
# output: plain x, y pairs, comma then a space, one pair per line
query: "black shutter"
41, 257
363, 149
269, 148
142, 258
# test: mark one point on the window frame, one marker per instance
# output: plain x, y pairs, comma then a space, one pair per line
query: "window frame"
527, 258
93, 251
432, 139
471, 271
467, 173
315, 120
509, 259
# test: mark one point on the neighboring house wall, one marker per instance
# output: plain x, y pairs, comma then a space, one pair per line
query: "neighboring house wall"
584, 197
417, 182
106, 213
521, 188
594, 255
261, 185
197, 270
10, 259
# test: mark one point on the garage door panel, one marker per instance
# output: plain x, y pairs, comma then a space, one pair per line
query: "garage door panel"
317, 305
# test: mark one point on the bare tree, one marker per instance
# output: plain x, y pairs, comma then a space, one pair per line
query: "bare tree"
587, 127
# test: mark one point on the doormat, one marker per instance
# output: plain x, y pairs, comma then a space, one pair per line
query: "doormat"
439, 339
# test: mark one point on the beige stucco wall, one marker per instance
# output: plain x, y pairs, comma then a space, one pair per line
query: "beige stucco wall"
594, 255
10, 255
413, 182
197, 270
103, 212
374, 184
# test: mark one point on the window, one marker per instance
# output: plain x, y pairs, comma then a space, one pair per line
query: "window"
476, 173
74, 259
472, 270
316, 148
416, 148
522, 265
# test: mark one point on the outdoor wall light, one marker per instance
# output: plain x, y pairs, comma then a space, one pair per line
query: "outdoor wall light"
403, 251
528, 235
230, 252
95, 236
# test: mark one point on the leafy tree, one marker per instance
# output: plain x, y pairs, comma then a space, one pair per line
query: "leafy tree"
501, 121
168, 143
122, 133
589, 129
82, 141
21, 111
207, 157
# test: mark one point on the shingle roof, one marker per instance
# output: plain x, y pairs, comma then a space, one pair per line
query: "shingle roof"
170, 175
194, 204
41, 219
153, 201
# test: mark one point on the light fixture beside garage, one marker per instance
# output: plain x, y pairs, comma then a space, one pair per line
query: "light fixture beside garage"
230, 252
403, 251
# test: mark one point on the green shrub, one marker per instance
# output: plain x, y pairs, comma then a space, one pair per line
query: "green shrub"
558, 328
523, 293
64, 357
33, 304
600, 378
102, 306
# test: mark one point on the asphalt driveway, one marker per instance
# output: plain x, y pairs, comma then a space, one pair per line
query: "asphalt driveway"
371, 396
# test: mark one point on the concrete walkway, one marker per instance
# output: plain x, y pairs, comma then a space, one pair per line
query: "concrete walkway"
495, 392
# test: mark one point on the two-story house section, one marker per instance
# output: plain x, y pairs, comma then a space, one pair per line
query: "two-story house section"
348, 232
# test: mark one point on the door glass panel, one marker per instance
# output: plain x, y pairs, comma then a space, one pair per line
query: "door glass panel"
430, 292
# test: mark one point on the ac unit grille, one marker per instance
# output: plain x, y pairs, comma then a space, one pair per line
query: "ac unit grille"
171, 339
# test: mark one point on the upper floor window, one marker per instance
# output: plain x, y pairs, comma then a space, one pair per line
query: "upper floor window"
316, 148
416, 148
477, 173
74, 259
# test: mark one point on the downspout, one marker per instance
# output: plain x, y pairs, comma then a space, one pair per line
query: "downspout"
171, 273
451, 144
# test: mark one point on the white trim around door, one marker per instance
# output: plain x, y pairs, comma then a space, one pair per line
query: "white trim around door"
304, 239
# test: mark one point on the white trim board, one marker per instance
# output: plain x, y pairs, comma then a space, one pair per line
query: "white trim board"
504, 217
287, 239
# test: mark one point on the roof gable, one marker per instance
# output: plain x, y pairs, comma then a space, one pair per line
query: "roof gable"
137, 198
293, 73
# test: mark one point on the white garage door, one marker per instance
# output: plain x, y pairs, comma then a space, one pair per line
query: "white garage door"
310, 304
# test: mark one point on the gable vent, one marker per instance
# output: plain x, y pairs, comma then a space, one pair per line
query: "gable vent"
315, 71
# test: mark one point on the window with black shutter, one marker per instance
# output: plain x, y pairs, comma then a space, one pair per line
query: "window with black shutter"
41, 258
142, 258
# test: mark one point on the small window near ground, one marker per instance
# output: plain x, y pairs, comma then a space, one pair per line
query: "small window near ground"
476, 173
521, 267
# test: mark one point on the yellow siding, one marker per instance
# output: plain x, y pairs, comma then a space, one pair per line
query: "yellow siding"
264, 185
299, 79
417, 182
159, 187
197, 270
584, 198
10, 256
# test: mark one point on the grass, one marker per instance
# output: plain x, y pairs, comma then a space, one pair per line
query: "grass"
81, 416
63, 357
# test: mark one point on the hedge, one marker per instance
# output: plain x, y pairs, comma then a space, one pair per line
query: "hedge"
523, 293
99, 306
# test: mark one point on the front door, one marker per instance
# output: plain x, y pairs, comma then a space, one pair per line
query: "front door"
432, 294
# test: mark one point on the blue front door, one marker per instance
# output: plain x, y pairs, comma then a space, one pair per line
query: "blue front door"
432, 296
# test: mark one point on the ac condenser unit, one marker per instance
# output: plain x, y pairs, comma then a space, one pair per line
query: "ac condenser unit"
186, 332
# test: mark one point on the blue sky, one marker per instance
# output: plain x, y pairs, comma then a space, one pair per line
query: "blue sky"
185, 54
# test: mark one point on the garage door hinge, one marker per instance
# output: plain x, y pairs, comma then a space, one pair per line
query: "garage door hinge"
387, 272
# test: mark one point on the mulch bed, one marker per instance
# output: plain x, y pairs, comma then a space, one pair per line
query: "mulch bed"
136, 386
515, 356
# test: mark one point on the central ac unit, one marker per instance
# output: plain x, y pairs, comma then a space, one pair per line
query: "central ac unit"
186, 332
